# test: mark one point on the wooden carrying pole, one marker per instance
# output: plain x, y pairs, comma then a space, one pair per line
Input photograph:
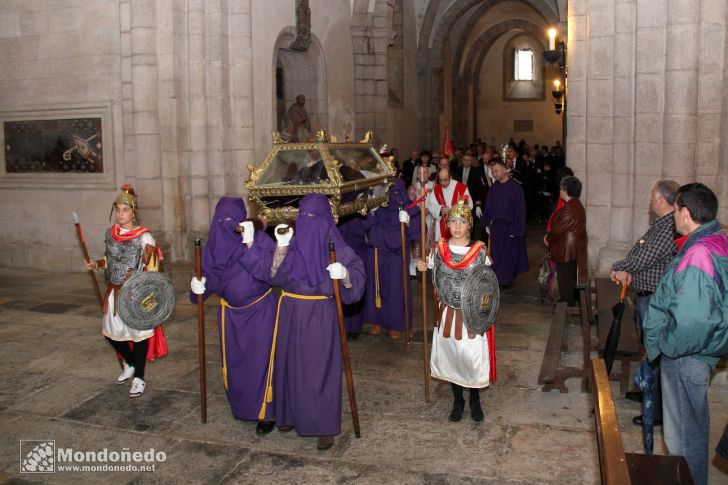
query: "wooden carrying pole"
82, 242
423, 248
201, 335
344, 346
405, 277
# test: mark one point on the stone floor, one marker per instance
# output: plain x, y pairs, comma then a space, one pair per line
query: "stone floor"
58, 383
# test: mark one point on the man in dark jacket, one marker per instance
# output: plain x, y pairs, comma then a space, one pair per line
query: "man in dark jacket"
686, 325
472, 176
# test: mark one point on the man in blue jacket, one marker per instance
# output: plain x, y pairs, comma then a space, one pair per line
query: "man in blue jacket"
687, 325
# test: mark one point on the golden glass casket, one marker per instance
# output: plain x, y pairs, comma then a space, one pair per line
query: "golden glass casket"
351, 174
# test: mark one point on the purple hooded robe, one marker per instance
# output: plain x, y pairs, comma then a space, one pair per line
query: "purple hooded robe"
385, 235
238, 274
308, 367
505, 214
353, 231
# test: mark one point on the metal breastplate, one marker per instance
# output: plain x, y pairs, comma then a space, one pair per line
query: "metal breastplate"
449, 282
122, 257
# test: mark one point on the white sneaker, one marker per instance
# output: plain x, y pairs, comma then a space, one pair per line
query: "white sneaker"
126, 374
137, 388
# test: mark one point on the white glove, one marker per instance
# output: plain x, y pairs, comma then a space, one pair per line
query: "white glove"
248, 231
431, 260
488, 261
487, 229
198, 286
478, 212
404, 217
337, 271
285, 238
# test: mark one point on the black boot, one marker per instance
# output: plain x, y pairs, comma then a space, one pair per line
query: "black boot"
264, 427
458, 404
476, 412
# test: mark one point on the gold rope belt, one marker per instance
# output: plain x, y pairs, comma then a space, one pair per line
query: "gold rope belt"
224, 304
377, 297
268, 397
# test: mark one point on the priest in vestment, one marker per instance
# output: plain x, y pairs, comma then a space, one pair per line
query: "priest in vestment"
446, 193
504, 218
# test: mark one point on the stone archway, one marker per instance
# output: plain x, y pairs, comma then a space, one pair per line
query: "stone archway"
436, 26
299, 72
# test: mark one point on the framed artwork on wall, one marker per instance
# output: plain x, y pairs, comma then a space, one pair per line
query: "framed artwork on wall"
68, 148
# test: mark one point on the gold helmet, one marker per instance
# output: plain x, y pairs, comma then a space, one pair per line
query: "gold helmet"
127, 196
460, 211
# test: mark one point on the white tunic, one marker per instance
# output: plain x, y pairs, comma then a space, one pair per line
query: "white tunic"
113, 326
465, 362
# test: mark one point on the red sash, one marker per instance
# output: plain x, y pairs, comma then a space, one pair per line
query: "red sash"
444, 249
458, 194
132, 234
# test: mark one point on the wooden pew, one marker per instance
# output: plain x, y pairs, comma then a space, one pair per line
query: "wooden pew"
628, 350
618, 467
551, 376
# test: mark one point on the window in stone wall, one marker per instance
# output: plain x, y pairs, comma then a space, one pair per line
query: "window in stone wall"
523, 65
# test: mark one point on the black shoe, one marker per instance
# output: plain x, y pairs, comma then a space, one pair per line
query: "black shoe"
264, 427
635, 396
457, 411
352, 336
639, 421
285, 429
325, 442
476, 412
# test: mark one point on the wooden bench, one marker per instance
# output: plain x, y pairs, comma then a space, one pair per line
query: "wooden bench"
551, 376
628, 350
618, 467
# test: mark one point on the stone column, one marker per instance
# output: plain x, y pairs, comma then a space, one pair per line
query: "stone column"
242, 131
619, 24
146, 159
198, 197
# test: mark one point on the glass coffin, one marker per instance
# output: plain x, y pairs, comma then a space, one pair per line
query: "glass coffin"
352, 175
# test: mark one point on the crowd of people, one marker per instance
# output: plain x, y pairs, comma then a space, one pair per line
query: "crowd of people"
282, 350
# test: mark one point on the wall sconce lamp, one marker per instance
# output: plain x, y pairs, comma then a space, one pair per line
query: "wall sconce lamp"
558, 94
555, 55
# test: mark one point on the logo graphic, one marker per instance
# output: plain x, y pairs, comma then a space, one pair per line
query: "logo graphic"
37, 456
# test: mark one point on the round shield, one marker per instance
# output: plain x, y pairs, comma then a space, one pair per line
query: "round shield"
146, 300
480, 299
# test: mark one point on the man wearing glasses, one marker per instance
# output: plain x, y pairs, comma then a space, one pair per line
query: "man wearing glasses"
446, 194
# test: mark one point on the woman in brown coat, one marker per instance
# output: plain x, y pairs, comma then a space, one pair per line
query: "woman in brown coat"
567, 238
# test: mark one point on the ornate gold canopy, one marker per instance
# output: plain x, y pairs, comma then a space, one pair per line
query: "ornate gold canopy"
352, 175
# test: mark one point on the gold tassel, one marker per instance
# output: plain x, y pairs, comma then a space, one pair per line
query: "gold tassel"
377, 297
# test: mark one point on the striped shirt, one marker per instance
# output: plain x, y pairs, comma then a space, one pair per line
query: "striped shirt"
647, 259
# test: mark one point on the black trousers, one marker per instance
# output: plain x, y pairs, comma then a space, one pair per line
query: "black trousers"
136, 358
566, 277
457, 392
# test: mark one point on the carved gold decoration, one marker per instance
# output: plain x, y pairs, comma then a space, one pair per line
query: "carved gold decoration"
347, 136
368, 137
322, 136
277, 139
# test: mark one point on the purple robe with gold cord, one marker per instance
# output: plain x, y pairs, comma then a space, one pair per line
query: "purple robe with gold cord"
246, 316
308, 367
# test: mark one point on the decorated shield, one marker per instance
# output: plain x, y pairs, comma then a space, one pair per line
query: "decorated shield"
146, 300
480, 299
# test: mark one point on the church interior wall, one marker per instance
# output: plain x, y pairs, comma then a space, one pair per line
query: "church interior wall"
496, 116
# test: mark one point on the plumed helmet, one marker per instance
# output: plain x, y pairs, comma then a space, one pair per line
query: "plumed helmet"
460, 211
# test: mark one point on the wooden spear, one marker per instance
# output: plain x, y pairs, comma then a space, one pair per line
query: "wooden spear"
423, 247
344, 346
82, 242
201, 335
